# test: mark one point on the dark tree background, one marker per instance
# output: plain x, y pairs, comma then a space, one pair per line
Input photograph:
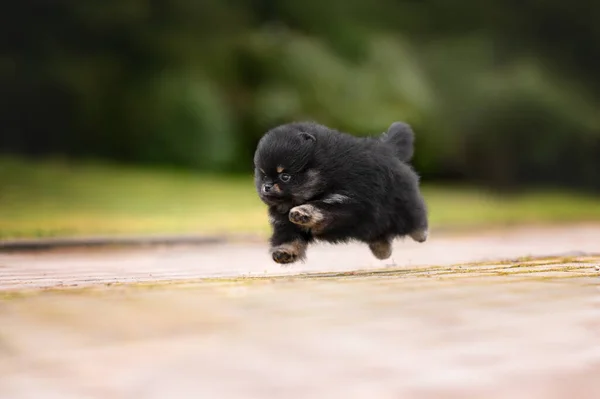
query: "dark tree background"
501, 92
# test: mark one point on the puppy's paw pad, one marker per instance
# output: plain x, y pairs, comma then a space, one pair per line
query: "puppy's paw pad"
284, 256
304, 215
420, 235
289, 252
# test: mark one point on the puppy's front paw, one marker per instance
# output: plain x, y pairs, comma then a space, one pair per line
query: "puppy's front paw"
289, 252
284, 256
306, 215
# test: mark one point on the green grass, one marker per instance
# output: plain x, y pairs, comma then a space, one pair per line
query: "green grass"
51, 198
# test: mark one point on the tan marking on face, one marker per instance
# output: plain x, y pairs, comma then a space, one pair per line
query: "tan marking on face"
276, 188
279, 169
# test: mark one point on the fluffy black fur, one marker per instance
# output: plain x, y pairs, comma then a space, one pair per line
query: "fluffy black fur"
322, 184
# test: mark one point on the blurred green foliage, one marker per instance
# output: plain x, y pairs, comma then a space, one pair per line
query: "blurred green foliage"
501, 92
53, 198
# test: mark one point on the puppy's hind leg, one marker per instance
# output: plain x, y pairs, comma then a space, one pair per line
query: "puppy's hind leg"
420, 235
381, 249
418, 211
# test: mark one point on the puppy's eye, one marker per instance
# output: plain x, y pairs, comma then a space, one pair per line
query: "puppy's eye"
284, 177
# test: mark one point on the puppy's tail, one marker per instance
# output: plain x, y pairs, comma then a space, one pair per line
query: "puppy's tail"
400, 138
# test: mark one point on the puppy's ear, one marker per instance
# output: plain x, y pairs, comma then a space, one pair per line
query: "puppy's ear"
307, 137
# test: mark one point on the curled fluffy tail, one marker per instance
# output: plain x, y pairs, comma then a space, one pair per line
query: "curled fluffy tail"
401, 138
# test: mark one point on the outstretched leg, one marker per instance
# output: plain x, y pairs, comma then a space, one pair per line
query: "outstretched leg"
288, 241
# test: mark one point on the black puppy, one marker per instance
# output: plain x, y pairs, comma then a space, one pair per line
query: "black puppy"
321, 184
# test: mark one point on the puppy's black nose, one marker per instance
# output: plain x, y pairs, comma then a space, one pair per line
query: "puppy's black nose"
267, 187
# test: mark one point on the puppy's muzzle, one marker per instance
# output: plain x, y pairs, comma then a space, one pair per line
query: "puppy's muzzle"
271, 189
266, 188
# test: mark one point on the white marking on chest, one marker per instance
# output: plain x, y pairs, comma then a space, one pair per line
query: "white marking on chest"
275, 221
336, 199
